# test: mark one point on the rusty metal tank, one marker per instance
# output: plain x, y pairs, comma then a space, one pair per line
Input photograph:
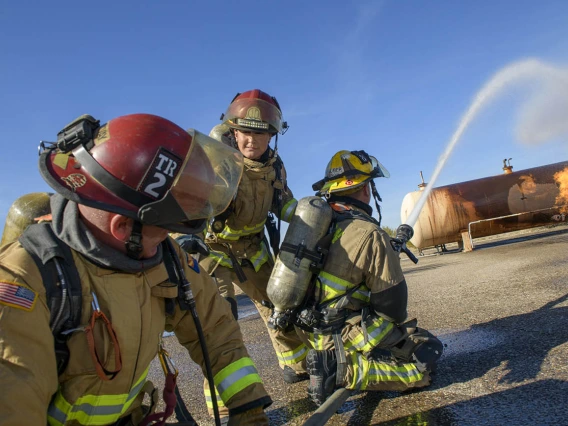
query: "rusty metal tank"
531, 197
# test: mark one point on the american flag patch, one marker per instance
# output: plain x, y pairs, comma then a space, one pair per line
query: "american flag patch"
17, 296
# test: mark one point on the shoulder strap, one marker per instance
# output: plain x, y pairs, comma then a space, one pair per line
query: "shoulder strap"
354, 214
62, 283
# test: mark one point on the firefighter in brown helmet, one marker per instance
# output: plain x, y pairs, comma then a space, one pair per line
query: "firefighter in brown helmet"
240, 253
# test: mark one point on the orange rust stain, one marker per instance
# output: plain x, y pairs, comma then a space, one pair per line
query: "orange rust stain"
561, 179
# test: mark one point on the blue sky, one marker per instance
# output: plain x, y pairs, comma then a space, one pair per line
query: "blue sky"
390, 77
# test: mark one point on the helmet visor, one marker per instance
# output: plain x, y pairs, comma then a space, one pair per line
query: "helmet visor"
254, 114
209, 177
378, 169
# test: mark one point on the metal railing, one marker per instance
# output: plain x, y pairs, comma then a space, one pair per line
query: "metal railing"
503, 217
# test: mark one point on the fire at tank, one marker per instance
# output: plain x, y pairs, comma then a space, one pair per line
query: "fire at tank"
493, 205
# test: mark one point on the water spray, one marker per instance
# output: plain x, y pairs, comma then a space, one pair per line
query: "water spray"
517, 72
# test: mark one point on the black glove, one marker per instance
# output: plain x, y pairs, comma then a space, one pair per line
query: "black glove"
192, 244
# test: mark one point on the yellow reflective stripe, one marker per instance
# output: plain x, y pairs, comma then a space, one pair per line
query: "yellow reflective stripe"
317, 341
337, 235
235, 377
234, 234
288, 210
222, 258
294, 356
333, 286
384, 372
208, 399
360, 368
93, 409
260, 257
375, 333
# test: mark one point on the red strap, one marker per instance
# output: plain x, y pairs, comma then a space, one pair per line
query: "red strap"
102, 372
170, 400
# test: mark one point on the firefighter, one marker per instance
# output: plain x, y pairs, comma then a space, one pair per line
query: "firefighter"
361, 338
240, 253
120, 188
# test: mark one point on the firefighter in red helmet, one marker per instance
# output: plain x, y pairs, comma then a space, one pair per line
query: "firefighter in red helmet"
84, 299
240, 252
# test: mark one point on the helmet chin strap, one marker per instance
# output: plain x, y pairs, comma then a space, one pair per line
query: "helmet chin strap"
377, 198
134, 243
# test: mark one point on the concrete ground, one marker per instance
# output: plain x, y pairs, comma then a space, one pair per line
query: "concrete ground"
502, 311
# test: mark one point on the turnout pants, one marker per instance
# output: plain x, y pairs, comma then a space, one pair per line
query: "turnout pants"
362, 371
290, 349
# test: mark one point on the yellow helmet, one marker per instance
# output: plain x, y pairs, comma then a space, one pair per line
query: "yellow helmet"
348, 170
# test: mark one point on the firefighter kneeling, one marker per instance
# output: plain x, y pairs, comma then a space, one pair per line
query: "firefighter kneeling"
352, 308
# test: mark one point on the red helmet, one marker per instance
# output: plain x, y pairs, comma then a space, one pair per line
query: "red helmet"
145, 167
255, 110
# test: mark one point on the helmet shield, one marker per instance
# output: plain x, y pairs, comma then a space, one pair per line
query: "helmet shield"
205, 186
144, 167
254, 114
348, 170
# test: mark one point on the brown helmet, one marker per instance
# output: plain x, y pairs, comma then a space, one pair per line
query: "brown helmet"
255, 110
144, 167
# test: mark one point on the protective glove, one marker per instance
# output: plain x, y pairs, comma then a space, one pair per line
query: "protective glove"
253, 417
192, 244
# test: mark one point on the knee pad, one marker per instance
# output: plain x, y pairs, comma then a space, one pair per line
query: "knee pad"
420, 347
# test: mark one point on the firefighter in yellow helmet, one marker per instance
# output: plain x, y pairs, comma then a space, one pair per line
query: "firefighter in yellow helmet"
361, 337
240, 253
85, 299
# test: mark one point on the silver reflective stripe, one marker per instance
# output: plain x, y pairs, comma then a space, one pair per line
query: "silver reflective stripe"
366, 294
373, 334
56, 413
288, 210
235, 377
359, 381
92, 410
221, 257
263, 256
378, 371
295, 355
332, 284
102, 410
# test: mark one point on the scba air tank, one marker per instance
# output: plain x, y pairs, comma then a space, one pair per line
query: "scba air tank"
291, 274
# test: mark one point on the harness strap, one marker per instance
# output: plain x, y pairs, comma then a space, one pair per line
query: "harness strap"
61, 281
237, 267
340, 356
169, 396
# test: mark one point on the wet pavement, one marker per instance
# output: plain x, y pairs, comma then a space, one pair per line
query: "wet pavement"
502, 311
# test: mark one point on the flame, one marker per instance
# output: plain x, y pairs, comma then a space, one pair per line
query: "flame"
561, 179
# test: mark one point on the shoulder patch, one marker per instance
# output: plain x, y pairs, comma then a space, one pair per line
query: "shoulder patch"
17, 296
192, 263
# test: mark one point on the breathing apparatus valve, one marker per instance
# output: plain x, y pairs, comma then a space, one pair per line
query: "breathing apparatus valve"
403, 234
279, 320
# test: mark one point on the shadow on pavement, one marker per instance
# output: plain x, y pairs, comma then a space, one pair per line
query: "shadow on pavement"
500, 408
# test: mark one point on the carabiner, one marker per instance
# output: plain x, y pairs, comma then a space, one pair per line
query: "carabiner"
95, 303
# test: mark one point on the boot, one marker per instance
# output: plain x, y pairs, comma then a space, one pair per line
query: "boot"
322, 367
290, 376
